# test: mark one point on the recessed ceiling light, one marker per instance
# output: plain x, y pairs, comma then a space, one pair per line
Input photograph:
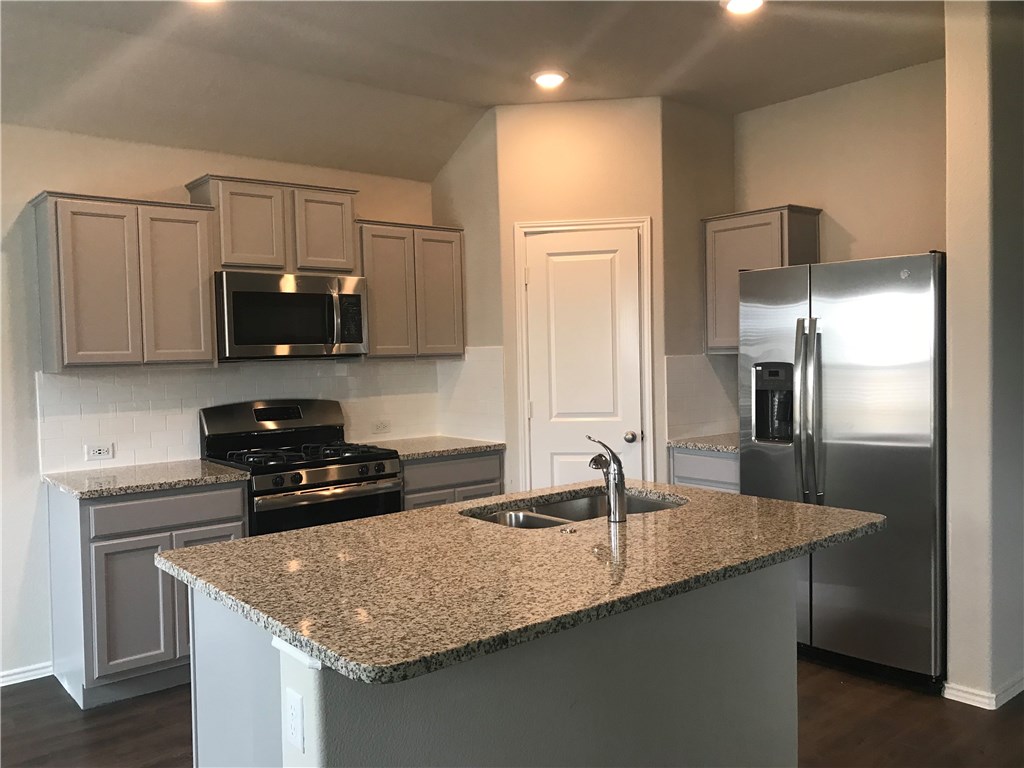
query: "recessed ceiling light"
549, 78
741, 6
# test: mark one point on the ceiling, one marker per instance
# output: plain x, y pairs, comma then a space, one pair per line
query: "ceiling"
393, 87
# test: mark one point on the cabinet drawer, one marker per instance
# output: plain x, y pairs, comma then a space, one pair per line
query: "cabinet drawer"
720, 471
428, 499
482, 491
448, 473
145, 514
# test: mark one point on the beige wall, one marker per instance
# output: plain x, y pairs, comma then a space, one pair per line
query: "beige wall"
697, 181
34, 160
579, 160
870, 153
465, 194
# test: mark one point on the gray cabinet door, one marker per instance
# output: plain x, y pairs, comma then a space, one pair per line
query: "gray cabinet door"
323, 231
750, 241
193, 538
439, 293
174, 247
388, 262
252, 224
98, 252
429, 499
133, 605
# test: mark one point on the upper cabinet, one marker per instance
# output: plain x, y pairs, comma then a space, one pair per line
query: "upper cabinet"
414, 289
736, 242
280, 227
123, 281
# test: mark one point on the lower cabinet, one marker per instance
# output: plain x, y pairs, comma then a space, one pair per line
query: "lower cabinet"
448, 479
120, 625
715, 470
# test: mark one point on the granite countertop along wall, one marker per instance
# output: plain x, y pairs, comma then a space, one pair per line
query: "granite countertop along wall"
142, 478
727, 443
389, 598
436, 446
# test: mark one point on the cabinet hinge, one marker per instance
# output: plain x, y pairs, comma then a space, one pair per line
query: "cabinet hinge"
526, 276
529, 409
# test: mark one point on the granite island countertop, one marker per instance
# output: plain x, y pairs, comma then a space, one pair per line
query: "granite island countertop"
728, 442
143, 478
436, 446
388, 598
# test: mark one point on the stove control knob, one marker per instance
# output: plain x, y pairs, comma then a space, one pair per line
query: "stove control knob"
278, 481
296, 478
379, 467
364, 469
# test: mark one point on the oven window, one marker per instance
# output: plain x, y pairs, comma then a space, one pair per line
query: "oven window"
263, 318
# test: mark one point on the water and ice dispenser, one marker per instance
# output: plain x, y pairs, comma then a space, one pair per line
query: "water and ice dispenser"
773, 402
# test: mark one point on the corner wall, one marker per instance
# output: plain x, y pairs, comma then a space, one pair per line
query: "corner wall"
985, 346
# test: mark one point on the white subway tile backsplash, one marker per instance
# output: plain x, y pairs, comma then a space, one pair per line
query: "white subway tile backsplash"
151, 414
702, 394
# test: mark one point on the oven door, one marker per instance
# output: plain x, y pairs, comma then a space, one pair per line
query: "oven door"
261, 315
319, 506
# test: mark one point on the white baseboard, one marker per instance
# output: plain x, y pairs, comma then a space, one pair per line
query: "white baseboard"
983, 699
21, 674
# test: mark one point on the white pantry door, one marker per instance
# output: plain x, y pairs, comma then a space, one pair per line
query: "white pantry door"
584, 351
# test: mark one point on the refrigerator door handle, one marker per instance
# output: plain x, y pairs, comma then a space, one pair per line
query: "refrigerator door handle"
799, 358
814, 417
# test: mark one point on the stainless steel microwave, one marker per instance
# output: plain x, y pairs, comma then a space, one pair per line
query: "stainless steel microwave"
266, 315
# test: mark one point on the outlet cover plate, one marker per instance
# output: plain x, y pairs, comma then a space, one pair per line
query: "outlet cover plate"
381, 426
99, 451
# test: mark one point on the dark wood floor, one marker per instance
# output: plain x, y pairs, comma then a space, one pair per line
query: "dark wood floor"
844, 721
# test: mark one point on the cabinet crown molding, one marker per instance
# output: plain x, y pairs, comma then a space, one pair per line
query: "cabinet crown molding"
790, 208
289, 184
50, 195
435, 227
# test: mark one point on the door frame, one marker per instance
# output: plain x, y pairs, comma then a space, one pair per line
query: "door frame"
524, 230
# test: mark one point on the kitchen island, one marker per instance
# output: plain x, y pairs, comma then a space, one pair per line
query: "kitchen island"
435, 637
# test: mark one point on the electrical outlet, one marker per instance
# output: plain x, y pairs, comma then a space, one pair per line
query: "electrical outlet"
99, 451
293, 718
381, 426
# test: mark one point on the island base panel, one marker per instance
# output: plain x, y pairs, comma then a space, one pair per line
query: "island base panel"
704, 678
236, 689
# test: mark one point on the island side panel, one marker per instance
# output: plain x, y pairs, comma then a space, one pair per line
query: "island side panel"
236, 690
704, 678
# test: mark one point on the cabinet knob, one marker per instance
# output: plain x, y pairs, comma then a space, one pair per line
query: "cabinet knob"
630, 437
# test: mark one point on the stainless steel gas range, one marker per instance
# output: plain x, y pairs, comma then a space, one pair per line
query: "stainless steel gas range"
303, 472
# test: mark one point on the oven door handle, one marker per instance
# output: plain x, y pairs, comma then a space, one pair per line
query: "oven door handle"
320, 495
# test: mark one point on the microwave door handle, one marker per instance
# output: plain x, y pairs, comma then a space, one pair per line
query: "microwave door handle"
336, 300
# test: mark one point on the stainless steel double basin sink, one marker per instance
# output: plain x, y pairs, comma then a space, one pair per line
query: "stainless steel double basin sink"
557, 513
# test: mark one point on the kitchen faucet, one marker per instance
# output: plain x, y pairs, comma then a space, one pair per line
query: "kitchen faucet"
614, 480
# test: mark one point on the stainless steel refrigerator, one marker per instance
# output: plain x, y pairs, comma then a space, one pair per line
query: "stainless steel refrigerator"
841, 399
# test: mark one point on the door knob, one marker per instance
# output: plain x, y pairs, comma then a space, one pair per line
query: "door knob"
630, 437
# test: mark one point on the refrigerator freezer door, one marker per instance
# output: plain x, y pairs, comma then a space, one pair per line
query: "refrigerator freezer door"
771, 303
879, 598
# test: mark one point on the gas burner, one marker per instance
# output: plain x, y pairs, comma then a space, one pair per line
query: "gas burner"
263, 458
337, 450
